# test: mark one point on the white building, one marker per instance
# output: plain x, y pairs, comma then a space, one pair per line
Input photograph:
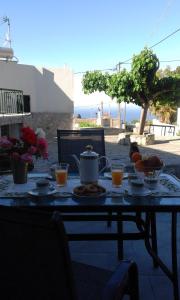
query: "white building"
47, 95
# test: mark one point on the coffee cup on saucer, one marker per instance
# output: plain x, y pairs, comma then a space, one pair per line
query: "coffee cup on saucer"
42, 186
137, 185
151, 182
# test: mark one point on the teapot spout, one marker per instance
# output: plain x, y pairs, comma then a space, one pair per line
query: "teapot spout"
77, 161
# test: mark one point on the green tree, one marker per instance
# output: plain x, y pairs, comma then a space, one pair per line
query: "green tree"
140, 86
167, 110
166, 113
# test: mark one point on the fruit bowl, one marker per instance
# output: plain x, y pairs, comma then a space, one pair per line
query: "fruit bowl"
149, 169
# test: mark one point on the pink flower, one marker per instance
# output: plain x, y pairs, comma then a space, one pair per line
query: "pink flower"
13, 140
32, 150
27, 157
42, 147
28, 135
45, 155
5, 143
26, 146
15, 156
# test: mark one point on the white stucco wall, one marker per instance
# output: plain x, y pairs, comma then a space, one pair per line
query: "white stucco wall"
178, 116
50, 90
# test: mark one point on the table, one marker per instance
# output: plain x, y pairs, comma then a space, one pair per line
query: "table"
111, 207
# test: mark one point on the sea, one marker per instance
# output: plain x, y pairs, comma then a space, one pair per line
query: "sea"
131, 115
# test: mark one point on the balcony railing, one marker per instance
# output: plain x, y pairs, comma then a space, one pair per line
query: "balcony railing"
13, 102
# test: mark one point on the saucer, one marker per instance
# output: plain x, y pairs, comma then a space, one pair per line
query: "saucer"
141, 192
37, 193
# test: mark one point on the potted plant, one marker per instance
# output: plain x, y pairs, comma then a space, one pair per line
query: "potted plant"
20, 151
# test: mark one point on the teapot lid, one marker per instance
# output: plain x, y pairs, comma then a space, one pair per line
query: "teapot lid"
89, 153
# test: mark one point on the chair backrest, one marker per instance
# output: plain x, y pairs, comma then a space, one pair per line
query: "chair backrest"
74, 142
34, 257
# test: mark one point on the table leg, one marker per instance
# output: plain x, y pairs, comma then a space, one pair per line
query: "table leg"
120, 240
172, 274
174, 255
154, 236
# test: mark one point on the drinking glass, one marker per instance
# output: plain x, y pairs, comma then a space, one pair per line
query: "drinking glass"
61, 173
117, 171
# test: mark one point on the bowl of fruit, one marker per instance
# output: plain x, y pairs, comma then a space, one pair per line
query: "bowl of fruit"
148, 169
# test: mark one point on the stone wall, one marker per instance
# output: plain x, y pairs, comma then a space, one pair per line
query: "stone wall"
147, 139
126, 137
13, 123
50, 122
11, 119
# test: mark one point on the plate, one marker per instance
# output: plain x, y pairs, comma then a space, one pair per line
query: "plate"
92, 197
39, 175
36, 193
109, 176
141, 193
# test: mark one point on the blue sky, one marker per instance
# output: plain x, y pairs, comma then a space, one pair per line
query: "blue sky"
90, 34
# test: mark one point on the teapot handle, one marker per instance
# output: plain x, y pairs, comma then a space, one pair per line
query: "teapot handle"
107, 163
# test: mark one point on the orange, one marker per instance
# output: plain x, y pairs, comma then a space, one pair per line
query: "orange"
139, 165
136, 156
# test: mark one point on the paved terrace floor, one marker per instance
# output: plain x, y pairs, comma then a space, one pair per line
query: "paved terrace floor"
154, 285
168, 149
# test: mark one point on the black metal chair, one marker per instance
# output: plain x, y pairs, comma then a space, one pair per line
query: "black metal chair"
35, 263
74, 142
5, 164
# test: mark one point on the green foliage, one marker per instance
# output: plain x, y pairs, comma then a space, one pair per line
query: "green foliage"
164, 73
148, 122
166, 113
94, 81
134, 121
144, 85
120, 86
167, 91
164, 105
144, 68
83, 124
135, 86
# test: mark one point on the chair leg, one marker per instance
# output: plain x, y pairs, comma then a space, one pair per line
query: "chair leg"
133, 282
120, 240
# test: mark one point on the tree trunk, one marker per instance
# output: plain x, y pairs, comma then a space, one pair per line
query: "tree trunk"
144, 111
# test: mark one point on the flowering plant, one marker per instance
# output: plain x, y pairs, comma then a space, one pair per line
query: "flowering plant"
30, 143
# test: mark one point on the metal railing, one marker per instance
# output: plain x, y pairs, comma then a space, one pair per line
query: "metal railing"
11, 102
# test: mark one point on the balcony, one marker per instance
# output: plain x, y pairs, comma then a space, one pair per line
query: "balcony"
13, 102
14, 107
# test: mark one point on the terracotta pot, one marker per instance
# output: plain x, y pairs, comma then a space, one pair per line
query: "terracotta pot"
19, 171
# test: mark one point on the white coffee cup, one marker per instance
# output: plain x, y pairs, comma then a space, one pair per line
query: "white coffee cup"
137, 186
42, 186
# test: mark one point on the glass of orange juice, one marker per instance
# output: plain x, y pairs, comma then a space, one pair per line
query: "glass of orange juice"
117, 171
61, 173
